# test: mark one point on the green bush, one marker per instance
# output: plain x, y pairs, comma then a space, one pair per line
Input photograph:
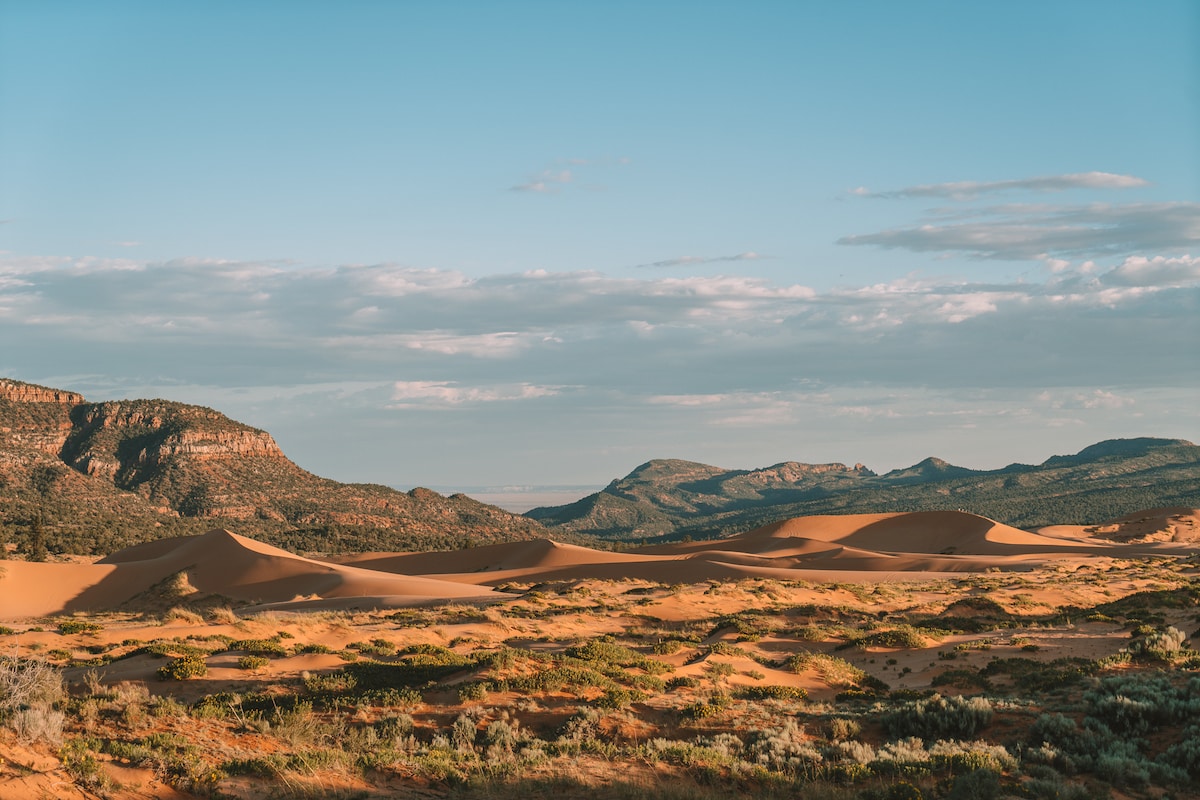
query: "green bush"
183, 668
772, 692
259, 647
473, 690
253, 662
939, 717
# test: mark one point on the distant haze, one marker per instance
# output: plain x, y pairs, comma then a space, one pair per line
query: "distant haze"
521, 499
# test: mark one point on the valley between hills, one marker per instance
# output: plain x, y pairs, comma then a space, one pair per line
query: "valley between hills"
186, 613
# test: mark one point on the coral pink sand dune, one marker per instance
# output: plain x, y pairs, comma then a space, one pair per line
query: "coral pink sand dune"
537, 554
215, 563
849, 548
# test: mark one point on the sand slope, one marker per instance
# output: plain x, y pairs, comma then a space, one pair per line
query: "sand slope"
847, 548
215, 563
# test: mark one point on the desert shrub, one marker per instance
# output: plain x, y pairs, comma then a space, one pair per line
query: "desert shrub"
961, 756
253, 662
582, 727
841, 728
785, 749
472, 691
463, 732
772, 692
394, 726
1159, 645
902, 755
1095, 748
259, 647
183, 668
714, 705
619, 697
418, 670
904, 637
83, 766
833, 670
962, 679
1138, 703
939, 717
72, 626
338, 682
501, 735
605, 650
30, 690
979, 784
301, 726
850, 752
1185, 754
719, 669
314, 647
39, 723
682, 682
1033, 675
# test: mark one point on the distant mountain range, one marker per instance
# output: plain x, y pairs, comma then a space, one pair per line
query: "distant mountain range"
672, 498
103, 476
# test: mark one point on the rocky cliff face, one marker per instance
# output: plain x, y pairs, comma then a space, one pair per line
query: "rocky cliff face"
19, 392
125, 440
105, 475
35, 417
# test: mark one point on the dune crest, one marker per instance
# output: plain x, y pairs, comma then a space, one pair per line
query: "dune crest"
215, 563
840, 548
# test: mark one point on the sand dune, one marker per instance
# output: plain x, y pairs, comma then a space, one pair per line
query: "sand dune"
536, 554
1175, 524
216, 563
220, 565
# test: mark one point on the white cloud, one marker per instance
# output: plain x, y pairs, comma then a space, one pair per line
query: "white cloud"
969, 190
565, 172
684, 261
548, 180
1156, 271
1085, 400
687, 400
737, 345
1019, 232
413, 394
500, 344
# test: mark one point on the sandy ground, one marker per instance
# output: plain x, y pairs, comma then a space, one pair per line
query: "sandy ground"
544, 596
867, 548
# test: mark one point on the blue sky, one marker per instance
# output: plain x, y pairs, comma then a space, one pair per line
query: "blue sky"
467, 244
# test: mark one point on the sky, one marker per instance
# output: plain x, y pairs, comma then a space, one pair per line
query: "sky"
514, 244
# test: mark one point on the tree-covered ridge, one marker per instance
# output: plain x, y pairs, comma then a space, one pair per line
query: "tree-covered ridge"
1101, 482
102, 476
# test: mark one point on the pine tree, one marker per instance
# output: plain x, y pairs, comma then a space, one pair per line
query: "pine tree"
36, 550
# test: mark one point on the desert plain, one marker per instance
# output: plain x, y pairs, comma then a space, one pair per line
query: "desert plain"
883, 656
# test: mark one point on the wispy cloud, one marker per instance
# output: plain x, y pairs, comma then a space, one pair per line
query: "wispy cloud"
685, 261
563, 173
435, 394
1157, 271
613, 361
1019, 232
968, 190
546, 181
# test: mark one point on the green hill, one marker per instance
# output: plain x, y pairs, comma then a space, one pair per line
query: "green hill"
102, 476
676, 498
